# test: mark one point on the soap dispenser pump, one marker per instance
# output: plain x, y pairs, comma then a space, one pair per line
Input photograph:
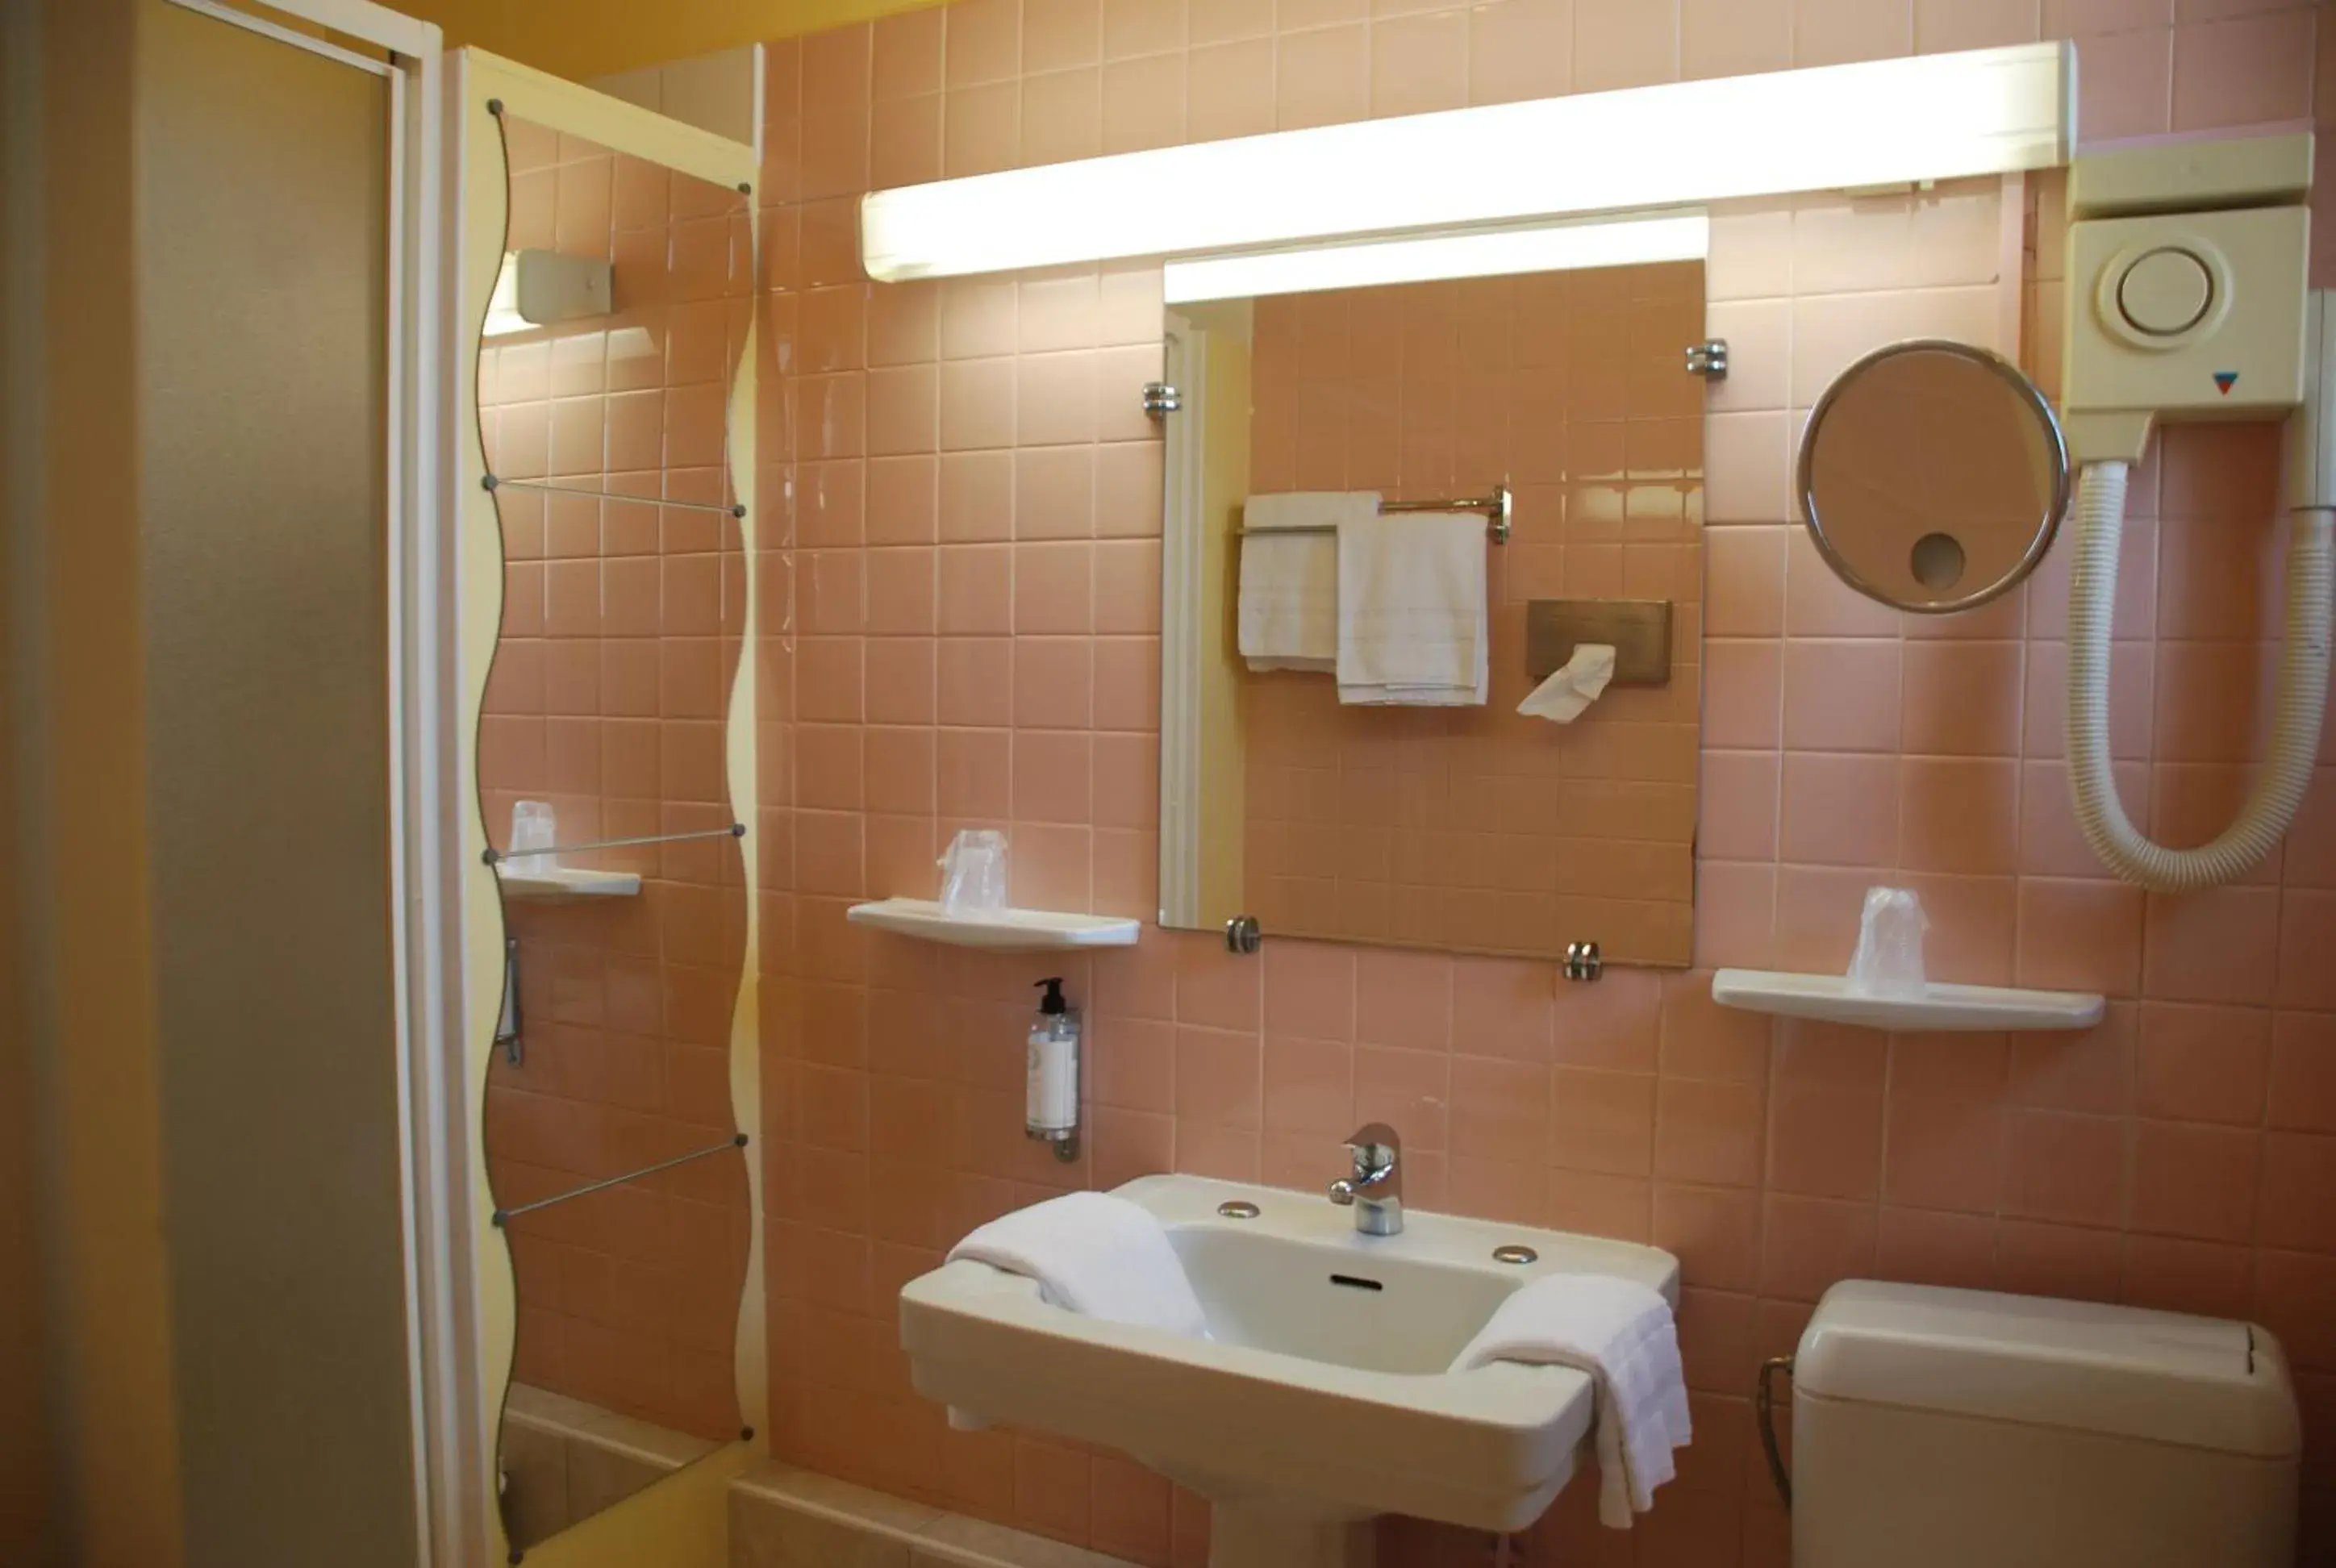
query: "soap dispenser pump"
1051, 1100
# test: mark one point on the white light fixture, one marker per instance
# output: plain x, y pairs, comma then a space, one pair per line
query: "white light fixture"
1483, 253
540, 288
1886, 121
502, 305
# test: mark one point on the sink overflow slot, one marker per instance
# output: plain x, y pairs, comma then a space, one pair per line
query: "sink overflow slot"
1515, 1255
1237, 1211
1353, 1282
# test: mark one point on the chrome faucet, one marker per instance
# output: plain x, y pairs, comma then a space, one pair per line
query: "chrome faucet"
1376, 1189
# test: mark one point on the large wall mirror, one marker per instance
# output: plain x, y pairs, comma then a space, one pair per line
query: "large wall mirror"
613, 1146
1392, 513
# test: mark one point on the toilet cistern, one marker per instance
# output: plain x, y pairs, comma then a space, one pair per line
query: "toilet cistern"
1375, 1189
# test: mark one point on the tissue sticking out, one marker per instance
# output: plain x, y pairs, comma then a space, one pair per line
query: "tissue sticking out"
1562, 697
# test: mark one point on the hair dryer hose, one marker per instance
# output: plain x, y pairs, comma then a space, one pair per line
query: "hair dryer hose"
2302, 697
1764, 1412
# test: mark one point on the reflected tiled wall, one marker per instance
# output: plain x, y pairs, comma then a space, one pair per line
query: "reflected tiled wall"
621, 633
974, 575
1480, 828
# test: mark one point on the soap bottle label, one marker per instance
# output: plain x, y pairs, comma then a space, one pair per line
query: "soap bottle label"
1051, 1094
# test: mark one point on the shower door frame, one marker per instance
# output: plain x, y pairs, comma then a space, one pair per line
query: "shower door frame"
451, 1441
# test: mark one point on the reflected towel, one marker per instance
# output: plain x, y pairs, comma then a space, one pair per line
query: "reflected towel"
1621, 1333
1413, 625
1288, 612
1096, 1255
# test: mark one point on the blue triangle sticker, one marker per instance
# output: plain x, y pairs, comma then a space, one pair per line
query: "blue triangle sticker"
2225, 380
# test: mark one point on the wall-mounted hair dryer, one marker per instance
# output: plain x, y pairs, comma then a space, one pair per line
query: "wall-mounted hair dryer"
2187, 299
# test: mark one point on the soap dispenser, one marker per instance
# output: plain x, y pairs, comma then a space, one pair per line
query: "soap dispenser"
1051, 1101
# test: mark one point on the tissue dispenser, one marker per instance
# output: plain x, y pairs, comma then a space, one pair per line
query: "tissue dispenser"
1638, 629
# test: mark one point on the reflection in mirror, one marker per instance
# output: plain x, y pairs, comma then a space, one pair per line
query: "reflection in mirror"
1933, 476
1439, 817
611, 1141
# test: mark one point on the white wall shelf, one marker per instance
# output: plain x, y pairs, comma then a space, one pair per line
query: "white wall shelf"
1002, 931
1940, 1008
565, 884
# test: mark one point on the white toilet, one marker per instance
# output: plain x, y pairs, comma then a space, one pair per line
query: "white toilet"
1936, 1428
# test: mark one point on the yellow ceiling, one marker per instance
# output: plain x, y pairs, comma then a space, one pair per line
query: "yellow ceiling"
583, 38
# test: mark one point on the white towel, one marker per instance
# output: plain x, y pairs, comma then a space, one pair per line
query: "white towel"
1097, 1255
1288, 612
1413, 627
1621, 1333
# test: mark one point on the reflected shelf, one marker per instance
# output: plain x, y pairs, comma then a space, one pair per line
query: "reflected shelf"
565, 884
1000, 930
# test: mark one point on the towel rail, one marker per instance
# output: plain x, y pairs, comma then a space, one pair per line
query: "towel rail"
1499, 509
492, 856
493, 482
504, 1216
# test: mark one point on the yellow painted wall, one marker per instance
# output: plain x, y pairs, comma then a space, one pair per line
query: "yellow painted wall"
580, 39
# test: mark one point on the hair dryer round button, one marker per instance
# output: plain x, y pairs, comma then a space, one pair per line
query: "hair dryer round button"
2165, 292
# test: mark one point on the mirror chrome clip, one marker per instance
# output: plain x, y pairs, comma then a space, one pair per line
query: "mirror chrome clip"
1159, 399
1709, 359
1243, 935
1583, 961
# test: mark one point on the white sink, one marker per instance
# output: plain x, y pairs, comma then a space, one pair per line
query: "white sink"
1322, 1398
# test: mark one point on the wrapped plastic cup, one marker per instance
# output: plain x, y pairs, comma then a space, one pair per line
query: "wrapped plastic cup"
1889, 957
973, 873
534, 826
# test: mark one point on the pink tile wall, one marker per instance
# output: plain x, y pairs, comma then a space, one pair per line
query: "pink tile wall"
621, 632
973, 566
1481, 829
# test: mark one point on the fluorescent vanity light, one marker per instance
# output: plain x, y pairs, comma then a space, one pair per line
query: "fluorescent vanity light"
1485, 253
1886, 121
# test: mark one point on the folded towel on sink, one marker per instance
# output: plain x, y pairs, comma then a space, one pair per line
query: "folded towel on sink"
1097, 1255
1621, 1333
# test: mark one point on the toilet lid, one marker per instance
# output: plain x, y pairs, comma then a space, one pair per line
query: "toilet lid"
2201, 1382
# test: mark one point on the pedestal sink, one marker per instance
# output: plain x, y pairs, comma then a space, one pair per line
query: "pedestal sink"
1321, 1399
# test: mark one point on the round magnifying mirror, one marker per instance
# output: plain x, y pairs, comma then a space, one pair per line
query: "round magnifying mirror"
1933, 476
